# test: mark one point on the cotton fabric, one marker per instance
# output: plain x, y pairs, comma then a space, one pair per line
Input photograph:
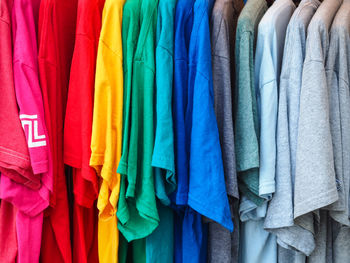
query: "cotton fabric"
222, 245
107, 126
130, 33
337, 74
183, 29
78, 127
30, 203
245, 111
57, 20
160, 244
8, 237
279, 218
138, 217
14, 156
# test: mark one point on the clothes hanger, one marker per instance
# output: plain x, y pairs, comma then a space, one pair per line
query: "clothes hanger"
270, 2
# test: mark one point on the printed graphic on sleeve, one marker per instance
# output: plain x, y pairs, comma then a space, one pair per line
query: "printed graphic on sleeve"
34, 139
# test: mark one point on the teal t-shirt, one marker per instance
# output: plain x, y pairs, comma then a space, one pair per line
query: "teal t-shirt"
160, 244
138, 215
246, 112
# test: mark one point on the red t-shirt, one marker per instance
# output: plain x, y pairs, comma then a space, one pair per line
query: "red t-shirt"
14, 156
78, 128
57, 20
78, 122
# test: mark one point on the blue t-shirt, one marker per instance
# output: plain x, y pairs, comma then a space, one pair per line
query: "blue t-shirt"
199, 167
207, 190
183, 28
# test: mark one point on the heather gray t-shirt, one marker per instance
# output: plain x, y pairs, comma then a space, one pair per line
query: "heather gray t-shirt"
315, 181
338, 72
333, 238
223, 245
279, 219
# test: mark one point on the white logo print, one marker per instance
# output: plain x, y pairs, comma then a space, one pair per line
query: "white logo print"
34, 139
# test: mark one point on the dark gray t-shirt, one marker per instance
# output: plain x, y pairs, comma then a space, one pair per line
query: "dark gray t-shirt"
223, 245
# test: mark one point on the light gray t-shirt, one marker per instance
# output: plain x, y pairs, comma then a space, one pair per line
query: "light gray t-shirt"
333, 238
338, 73
223, 245
280, 219
315, 181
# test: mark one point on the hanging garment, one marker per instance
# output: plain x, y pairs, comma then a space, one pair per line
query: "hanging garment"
202, 134
183, 28
85, 233
57, 20
205, 153
30, 203
14, 156
245, 111
78, 128
140, 193
130, 34
107, 127
315, 181
160, 244
247, 128
79, 112
337, 73
268, 60
279, 219
323, 250
28, 93
223, 245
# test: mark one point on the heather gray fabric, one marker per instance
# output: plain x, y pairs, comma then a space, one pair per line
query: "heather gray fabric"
315, 182
223, 30
323, 252
338, 73
332, 242
290, 256
341, 244
279, 219
223, 245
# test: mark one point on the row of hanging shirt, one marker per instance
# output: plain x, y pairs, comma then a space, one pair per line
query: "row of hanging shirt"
175, 100
300, 82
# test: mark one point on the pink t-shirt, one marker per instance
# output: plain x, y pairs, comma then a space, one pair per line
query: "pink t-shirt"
26, 79
30, 203
14, 155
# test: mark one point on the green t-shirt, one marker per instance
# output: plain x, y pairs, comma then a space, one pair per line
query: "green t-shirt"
246, 112
130, 34
137, 213
160, 244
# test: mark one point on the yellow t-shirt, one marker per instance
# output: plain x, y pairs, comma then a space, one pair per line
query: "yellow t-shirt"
107, 127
